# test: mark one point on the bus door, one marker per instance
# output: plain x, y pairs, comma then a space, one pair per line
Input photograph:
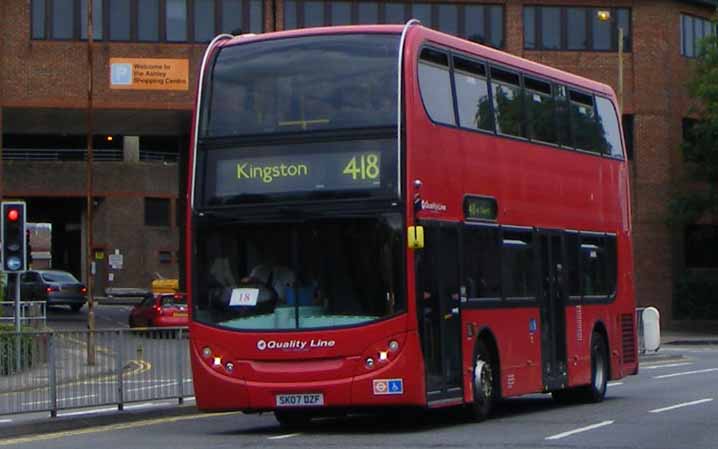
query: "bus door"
438, 308
553, 303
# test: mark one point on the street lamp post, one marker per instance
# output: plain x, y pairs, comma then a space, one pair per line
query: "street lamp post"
605, 16
89, 272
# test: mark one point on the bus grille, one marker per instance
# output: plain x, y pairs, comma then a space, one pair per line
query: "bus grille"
628, 338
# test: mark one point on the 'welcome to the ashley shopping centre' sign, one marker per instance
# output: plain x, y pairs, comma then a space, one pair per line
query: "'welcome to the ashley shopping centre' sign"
149, 74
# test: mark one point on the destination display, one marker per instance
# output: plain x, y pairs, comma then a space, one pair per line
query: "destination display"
480, 208
306, 172
365, 168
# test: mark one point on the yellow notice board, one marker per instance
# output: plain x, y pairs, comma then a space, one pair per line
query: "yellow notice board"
149, 74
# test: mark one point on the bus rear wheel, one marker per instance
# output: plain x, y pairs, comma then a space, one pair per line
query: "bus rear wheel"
596, 390
292, 418
484, 382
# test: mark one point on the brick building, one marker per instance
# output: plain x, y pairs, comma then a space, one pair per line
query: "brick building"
141, 130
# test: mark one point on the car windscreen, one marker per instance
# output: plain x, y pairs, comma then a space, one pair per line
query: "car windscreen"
172, 301
57, 276
302, 84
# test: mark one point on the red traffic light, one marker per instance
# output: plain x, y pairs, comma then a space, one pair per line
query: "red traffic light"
13, 215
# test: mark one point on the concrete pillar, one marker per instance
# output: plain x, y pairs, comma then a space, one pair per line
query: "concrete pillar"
131, 148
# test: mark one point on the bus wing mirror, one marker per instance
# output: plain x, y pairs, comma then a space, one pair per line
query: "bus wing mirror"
416, 237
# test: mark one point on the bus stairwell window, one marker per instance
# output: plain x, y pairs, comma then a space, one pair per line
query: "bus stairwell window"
435, 86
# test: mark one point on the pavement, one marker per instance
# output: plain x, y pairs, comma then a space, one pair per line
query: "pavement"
672, 343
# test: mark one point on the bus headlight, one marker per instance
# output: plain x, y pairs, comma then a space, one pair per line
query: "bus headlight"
393, 346
369, 363
206, 352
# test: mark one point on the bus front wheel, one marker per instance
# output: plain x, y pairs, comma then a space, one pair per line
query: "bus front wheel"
484, 382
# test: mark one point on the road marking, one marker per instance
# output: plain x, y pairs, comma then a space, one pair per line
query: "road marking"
614, 384
3, 421
670, 365
281, 437
110, 428
685, 404
74, 398
89, 412
154, 387
685, 373
108, 409
582, 429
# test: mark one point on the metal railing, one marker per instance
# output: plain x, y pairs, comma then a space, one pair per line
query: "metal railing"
49, 370
70, 154
158, 156
32, 313
73, 154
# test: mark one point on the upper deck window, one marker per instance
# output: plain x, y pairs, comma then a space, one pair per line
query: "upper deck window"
575, 28
472, 95
274, 86
508, 107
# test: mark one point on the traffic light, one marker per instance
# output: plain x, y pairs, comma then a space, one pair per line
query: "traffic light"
13, 237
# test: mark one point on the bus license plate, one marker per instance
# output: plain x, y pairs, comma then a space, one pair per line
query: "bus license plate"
300, 400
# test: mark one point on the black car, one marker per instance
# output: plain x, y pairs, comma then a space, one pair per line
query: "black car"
53, 286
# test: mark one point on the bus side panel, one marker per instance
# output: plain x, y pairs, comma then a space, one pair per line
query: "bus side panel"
518, 338
578, 334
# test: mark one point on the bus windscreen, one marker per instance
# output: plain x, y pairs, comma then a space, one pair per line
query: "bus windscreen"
302, 84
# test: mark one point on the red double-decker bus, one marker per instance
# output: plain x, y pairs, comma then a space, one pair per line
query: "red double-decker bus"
391, 216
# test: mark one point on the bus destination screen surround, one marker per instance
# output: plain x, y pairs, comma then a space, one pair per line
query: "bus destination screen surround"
352, 168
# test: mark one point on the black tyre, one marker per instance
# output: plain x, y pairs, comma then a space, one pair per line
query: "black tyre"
485, 382
292, 418
596, 390
76, 307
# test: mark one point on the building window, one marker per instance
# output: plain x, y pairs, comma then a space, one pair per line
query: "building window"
395, 13
484, 24
157, 212
62, 19
38, 19
176, 20
368, 13
203, 20
165, 257
97, 24
146, 20
232, 16
120, 20
693, 31
575, 28
627, 121
700, 244
479, 23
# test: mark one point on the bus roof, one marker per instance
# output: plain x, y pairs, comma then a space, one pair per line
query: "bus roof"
420, 33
